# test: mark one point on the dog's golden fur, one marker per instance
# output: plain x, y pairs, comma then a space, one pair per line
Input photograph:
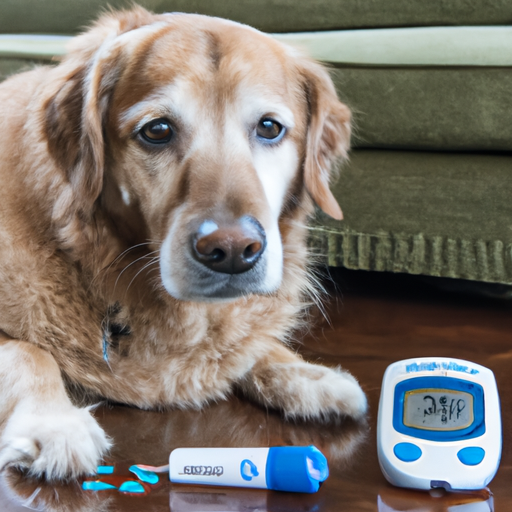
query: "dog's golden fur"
97, 287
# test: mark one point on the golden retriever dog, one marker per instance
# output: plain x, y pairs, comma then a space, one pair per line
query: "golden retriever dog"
155, 187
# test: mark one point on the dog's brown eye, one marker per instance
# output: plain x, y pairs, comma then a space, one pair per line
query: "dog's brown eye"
157, 131
269, 130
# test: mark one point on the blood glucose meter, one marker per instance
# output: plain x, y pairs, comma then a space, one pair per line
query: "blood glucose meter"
439, 424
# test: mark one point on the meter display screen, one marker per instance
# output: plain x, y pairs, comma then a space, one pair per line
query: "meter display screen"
438, 409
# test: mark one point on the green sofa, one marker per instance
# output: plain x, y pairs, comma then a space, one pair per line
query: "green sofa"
427, 189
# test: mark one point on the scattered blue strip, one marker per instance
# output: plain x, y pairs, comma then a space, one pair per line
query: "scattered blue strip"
105, 470
146, 476
132, 487
97, 486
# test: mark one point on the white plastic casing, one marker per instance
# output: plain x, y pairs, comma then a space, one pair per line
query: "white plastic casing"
439, 461
219, 466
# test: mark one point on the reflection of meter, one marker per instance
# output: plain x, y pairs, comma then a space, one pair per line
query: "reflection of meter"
439, 424
391, 499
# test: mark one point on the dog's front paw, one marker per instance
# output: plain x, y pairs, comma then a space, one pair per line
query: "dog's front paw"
56, 444
304, 390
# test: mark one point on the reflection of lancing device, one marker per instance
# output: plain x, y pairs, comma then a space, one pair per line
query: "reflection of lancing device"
439, 424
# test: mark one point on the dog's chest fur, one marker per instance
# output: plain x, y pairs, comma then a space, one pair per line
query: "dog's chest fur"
146, 352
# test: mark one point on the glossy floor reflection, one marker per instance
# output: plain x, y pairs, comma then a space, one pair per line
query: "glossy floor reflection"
375, 319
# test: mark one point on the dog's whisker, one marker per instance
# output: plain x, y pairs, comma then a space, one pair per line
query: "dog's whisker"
155, 280
129, 265
145, 256
156, 242
317, 292
103, 271
126, 251
147, 265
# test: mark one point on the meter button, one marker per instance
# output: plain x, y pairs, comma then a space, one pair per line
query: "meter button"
471, 456
407, 452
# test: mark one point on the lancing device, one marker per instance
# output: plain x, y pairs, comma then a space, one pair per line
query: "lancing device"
286, 468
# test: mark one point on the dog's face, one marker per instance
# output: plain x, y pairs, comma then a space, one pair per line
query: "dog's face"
208, 134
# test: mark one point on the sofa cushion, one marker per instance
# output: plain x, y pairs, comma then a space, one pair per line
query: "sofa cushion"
436, 88
23, 52
439, 214
9, 66
436, 108
419, 46
70, 16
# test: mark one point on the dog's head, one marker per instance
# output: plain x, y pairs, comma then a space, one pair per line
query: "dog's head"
200, 135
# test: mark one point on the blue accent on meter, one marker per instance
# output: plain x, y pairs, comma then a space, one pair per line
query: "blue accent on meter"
471, 456
407, 452
438, 397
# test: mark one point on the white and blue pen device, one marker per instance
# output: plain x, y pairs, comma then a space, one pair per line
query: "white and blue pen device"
283, 468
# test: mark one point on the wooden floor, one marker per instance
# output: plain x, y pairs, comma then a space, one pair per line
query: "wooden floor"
374, 320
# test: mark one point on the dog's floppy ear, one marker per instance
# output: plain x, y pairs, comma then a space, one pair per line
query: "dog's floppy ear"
75, 111
328, 136
73, 121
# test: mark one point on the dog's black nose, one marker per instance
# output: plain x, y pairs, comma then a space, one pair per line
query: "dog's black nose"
230, 248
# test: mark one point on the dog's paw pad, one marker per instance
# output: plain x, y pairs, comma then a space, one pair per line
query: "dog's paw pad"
353, 402
56, 445
317, 392
19, 452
